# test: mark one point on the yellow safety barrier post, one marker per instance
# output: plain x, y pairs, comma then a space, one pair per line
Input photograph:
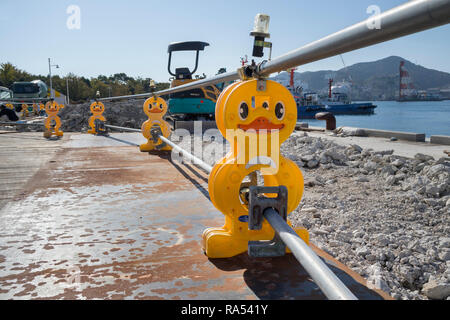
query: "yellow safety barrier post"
24, 110
41, 108
97, 109
155, 108
256, 117
36, 109
52, 108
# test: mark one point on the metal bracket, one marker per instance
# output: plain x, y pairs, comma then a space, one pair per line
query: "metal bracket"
100, 127
156, 132
245, 73
261, 85
257, 204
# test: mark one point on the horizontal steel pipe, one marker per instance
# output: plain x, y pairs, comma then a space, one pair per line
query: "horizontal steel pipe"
176, 148
224, 77
20, 100
408, 18
327, 281
123, 128
187, 155
21, 124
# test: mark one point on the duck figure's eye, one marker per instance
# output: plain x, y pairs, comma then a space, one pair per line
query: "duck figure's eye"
243, 111
161, 106
265, 105
279, 111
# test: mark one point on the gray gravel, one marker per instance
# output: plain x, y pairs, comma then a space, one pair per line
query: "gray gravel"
385, 216
126, 113
75, 118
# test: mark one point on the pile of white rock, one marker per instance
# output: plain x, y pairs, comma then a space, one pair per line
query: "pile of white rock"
75, 117
385, 216
126, 113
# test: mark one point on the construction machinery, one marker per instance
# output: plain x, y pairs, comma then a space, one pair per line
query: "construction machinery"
195, 104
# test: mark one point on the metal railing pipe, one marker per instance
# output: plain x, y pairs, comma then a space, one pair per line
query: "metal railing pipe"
123, 128
21, 100
327, 281
405, 19
175, 148
21, 123
408, 18
187, 155
223, 77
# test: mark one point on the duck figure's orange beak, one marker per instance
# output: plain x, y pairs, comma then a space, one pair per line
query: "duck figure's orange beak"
261, 123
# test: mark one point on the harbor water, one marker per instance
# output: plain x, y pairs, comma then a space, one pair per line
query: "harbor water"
429, 117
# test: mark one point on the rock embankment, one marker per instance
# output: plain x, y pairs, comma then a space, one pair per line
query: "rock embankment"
385, 216
75, 118
127, 113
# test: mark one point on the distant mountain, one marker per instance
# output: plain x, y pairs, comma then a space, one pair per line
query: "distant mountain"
377, 80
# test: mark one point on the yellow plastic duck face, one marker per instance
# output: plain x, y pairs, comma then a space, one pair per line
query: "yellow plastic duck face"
266, 116
52, 108
155, 108
246, 108
97, 109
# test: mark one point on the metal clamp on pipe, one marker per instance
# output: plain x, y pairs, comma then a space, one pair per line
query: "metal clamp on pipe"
327, 281
156, 133
256, 206
100, 127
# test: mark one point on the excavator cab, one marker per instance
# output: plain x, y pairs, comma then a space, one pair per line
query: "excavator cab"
185, 73
195, 104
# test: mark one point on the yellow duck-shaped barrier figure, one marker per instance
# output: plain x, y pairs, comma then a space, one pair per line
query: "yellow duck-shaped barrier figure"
256, 121
97, 109
41, 108
155, 108
52, 108
24, 110
9, 106
36, 108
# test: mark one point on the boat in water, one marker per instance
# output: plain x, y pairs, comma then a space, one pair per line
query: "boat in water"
337, 102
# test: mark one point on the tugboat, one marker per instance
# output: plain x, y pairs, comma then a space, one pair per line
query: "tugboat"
337, 102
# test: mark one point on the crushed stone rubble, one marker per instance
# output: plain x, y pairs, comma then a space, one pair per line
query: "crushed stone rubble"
75, 118
127, 113
384, 216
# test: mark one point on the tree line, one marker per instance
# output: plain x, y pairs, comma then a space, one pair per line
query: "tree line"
82, 89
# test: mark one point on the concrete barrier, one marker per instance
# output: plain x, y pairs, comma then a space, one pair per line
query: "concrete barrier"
301, 125
440, 140
309, 128
409, 136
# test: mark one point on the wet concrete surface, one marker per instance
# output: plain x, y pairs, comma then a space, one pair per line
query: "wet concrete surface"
110, 222
21, 156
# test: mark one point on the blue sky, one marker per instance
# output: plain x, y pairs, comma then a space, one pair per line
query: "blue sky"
132, 36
